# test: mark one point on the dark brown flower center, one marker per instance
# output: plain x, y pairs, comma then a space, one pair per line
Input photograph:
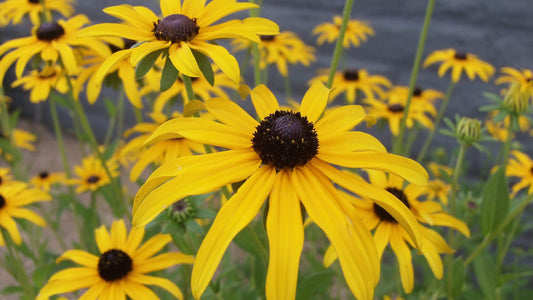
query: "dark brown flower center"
2, 201
114, 265
44, 175
93, 179
351, 74
395, 108
460, 55
267, 38
285, 139
175, 28
383, 214
417, 92
50, 31
34, 1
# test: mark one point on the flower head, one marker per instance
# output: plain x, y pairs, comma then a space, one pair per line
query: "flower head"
41, 82
185, 29
45, 180
524, 78
521, 166
121, 268
92, 175
459, 62
356, 32
15, 10
290, 157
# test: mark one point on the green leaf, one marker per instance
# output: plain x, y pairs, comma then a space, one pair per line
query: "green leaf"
455, 285
169, 75
193, 226
486, 274
494, 202
316, 283
110, 107
147, 63
42, 273
205, 66
12, 289
204, 213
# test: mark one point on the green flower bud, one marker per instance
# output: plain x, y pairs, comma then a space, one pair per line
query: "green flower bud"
468, 130
516, 99
182, 210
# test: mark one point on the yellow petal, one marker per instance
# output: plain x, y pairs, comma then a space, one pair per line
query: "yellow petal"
118, 234
217, 9
228, 112
403, 254
128, 14
163, 261
339, 119
350, 141
183, 59
314, 101
144, 49
60, 286
136, 290
170, 7
151, 247
329, 257
221, 57
264, 101
159, 282
119, 30
103, 240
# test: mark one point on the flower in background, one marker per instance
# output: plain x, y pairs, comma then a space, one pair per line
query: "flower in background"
389, 232
21, 139
354, 81
392, 110
41, 82
51, 41
121, 269
290, 157
356, 32
438, 189
185, 28
156, 153
45, 180
499, 129
459, 62
13, 197
15, 10
92, 175
281, 49
524, 77
5, 176
520, 165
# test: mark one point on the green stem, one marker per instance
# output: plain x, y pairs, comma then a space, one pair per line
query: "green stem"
20, 271
255, 12
4, 115
55, 232
337, 53
438, 119
397, 146
138, 115
187, 82
287, 83
508, 238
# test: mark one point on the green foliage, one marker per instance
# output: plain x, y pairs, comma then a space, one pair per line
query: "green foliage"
495, 201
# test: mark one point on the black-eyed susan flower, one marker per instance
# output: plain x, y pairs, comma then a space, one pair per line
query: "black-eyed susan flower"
121, 270
290, 157
159, 152
459, 62
354, 81
5, 176
45, 180
52, 40
15, 10
13, 197
524, 77
392, 110
281, 49
91, 174
41, 82
438, 189
21, 139
389, 232
520, 165
356, 32
185, 27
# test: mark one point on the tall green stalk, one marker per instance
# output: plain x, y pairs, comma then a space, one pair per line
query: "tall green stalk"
398, 142
337, 53
20, 271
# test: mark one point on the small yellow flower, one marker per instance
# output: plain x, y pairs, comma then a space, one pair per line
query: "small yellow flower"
356, 32
42, 82
121, 269
45, 180
459, 62
520, 165
524, 77
436, 170
5, 176
438, 189
15, 10
92, 175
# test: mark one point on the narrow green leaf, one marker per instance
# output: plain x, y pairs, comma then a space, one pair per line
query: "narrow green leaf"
205, 66
495, 201
204, 213
193, 226
169, 75
455, 285
486, 274
147, 63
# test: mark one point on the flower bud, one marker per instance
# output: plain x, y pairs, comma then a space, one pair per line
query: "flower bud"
182, 210
468, 130
516, 99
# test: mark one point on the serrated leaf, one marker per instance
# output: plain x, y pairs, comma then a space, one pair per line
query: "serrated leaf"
169, 75
495, 201
486, 274
205, 66
147, 63
455, 285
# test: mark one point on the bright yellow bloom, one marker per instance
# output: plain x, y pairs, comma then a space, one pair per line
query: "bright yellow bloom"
524, 77
356, 32
42, 82
45, 180
21, 139
290, 157
353, 81
389, 232
52, 41
121, 269
13, 197
500, 129
282, 49
520, 165
184, 29
15, 10
459, 62
92, 175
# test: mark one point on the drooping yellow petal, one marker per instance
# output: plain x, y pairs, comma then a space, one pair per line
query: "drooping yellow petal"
264, 101
163, 261
350, 141
228, 112
330, 256
221, 57
156, 281
27, 214
403, 254
183, 59
130, 15
60, 286
119, 30
11, 226
144, 49
80, 257
339, 120
217, 9
382, 236
314, 101
240, 209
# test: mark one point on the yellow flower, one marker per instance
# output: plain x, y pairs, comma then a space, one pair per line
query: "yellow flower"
121, 269
92, 175
393, 110
15, 10
353, 81
21, 139
282, 49
159, 152
499, 129
45, 180
437, 188
356, 32
524, 77
41, 82
289, 157
184, 29
459, 62
5, 176
13, 197
520, 165
388, 231
436, 170
52, 41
